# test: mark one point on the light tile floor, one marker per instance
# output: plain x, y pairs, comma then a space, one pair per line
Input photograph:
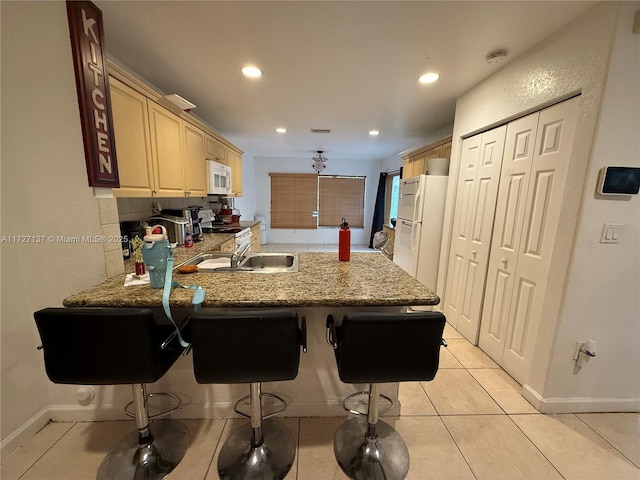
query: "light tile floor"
470, 422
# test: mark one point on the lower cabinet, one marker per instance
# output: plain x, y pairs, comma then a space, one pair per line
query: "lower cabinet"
228, 246
255, 238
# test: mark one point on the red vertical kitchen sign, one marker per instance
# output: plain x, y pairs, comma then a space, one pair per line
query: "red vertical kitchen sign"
87, 43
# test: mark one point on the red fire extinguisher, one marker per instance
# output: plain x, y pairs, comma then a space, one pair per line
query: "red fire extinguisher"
344, 242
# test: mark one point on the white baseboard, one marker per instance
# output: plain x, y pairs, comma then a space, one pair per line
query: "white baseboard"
579, 404
102, 413
25, 433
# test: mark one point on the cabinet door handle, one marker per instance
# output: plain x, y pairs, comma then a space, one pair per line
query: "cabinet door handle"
504, 262
474, 253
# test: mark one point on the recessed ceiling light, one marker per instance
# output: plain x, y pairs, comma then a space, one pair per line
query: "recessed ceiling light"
251, 71
281, 130
373, 133
429, 77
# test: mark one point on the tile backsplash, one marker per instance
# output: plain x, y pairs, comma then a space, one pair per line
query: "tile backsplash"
110, 228
130, 209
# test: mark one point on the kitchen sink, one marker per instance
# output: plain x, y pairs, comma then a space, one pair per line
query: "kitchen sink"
269, 262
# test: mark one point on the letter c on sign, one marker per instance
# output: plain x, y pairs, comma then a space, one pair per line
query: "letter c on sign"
95, 93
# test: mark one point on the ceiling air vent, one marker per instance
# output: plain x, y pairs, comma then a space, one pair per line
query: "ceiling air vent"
320, 130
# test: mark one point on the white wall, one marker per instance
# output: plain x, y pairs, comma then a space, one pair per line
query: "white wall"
247, 203
575, 60
44, 192
610, 274
264, 166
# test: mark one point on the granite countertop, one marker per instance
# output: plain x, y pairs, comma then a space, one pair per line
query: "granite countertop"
369, 279
210, 243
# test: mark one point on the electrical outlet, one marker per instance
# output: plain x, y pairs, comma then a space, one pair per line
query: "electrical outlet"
611, 233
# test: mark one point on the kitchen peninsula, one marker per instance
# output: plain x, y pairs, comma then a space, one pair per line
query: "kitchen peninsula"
321, 286
368, 280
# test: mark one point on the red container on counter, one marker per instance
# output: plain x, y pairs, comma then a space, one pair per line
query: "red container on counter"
344, 242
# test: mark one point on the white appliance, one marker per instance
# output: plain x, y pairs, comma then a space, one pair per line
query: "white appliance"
243, 238
218, 178
206, 217
419, 227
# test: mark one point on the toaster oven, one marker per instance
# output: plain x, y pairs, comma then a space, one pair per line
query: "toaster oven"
177, 227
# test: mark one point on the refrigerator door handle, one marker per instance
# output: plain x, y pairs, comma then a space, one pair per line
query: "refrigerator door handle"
415, 231
417, 206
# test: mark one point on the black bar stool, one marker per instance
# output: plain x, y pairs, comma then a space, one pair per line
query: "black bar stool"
114, 346
377, 348
250, 347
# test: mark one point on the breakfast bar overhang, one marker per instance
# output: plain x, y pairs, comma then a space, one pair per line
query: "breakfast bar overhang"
322, 286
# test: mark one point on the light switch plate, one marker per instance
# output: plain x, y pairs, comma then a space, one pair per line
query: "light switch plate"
611, 233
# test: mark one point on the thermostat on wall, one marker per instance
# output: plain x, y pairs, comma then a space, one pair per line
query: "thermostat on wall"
619, 181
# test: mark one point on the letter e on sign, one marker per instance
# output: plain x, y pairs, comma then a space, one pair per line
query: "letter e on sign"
87, 47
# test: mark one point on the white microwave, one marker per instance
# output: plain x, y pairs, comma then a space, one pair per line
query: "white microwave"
218, 178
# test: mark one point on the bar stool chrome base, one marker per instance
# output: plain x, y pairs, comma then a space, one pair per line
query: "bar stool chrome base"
363, 458
240, 459
132, 460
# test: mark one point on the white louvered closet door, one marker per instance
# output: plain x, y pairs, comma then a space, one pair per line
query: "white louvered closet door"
472, 228
530, 198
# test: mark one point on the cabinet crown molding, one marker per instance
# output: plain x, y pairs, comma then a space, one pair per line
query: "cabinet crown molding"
424, 148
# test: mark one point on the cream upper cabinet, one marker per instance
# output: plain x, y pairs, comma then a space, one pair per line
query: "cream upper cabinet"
216, 150
211, 147
415, 162
166, 148
161, 153
223, 154
419, 163
194, 161
133, 146
235, 162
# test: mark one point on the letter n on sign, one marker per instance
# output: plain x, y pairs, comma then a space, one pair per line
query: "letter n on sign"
87, 43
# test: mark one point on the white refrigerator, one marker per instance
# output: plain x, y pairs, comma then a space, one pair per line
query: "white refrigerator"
419, 227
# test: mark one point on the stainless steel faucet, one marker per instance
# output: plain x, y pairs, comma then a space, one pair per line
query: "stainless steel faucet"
239, 254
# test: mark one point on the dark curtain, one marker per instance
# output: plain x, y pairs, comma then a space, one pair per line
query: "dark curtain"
378, 211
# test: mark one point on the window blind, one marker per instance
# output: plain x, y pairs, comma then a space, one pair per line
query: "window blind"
294, 200
341, 197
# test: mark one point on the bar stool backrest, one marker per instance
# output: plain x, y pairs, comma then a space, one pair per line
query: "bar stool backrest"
245, 346
104, 346
389, 347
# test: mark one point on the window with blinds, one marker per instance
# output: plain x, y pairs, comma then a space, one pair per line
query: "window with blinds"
301, 200
340, 197
294, 200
